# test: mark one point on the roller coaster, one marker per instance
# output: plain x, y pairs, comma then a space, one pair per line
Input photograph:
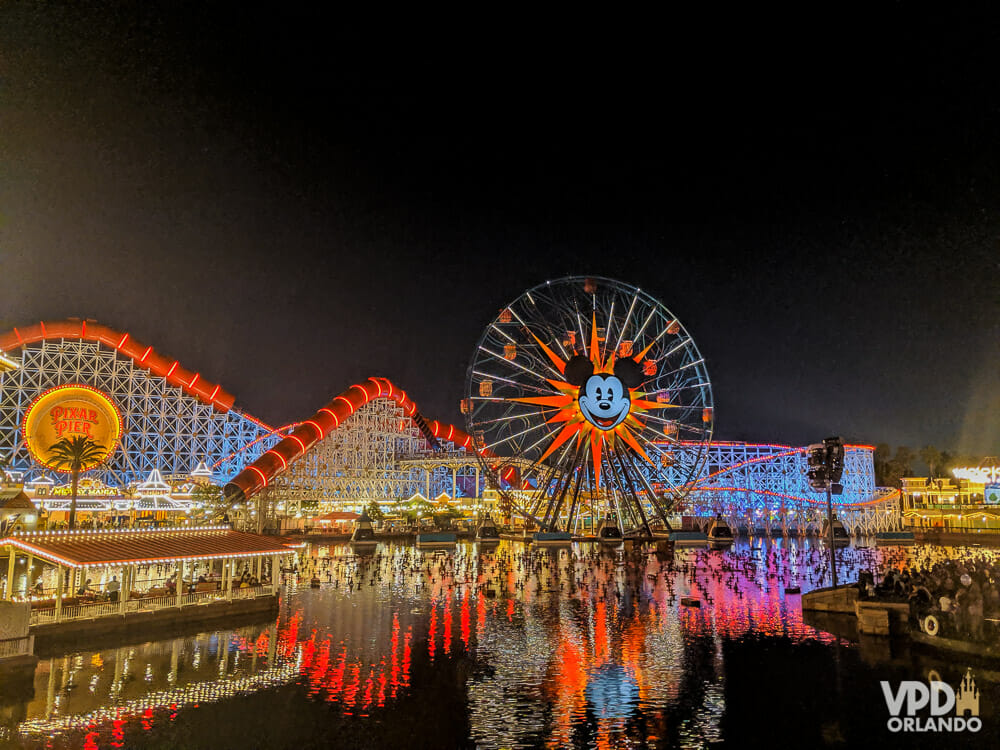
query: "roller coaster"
369, 442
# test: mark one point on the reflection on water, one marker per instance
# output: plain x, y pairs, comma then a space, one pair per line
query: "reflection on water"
575, 647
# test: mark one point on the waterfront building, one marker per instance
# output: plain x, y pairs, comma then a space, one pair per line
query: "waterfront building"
83, 575
947, 504
17, 512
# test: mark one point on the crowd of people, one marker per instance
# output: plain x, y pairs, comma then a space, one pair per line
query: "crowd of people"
962, 588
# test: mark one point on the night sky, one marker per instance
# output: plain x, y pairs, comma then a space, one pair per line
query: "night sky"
289, 203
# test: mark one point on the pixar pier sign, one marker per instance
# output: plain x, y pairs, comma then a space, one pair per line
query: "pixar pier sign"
71, 411
73, 419
933, 706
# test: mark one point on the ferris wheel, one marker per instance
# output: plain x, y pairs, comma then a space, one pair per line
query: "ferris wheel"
586, 396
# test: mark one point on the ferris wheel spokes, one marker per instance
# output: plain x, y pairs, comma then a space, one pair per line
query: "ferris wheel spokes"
569, 424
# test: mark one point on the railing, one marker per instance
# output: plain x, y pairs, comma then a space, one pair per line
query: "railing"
957, 507
41, 616
17, 646
98, 609
150, 604
251, 592
201, 597
952, 529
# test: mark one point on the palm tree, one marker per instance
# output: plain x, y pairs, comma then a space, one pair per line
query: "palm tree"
932, 457
74, 453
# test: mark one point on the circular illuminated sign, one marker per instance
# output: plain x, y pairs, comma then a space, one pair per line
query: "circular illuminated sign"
70, 411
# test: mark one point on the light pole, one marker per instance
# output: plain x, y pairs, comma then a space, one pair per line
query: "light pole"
826, 466
829, 523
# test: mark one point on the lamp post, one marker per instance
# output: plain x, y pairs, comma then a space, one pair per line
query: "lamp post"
826, 466
829, 522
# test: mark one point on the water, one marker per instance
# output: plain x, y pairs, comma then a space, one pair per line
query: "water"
503, 648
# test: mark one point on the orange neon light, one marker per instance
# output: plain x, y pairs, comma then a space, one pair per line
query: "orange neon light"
123, 340
83, 329
172, 368
384, 389
149, 350
214, 393
797, 498
194, 380
302, 445
284, 463
259, 473
564, 401
44, 422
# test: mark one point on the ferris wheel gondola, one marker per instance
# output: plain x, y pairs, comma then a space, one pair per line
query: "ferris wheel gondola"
587, 397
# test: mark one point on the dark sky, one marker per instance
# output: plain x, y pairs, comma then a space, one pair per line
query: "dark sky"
290, 202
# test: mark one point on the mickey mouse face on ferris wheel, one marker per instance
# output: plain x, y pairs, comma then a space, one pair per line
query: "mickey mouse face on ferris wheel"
604, 399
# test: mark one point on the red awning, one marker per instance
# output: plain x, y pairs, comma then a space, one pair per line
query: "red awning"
88, 548
338, 515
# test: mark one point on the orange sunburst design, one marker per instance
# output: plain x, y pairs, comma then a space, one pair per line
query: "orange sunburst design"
563, 406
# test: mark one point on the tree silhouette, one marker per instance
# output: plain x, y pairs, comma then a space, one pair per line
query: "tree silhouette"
889, 469
74, 453
932, 457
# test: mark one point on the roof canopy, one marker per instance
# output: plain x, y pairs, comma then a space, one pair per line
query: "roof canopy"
89, 548
338, 515
14, 499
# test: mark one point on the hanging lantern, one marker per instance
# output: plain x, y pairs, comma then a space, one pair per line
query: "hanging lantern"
466, 405
706, 415
670, 428
625, 349
663, 397
505, 315
649, 367
486, 388
673, 328
590, 286
666, 460
570, 341
510, 351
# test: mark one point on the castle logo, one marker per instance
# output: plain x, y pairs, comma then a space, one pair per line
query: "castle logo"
928, 707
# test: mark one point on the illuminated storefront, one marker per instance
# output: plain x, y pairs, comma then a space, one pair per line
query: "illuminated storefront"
945, 504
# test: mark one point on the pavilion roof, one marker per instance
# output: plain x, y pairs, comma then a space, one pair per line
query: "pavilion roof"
113, 547
338, 515
13, 498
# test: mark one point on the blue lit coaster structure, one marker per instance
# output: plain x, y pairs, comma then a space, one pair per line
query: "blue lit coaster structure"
173, 418
586, 397
371, 443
